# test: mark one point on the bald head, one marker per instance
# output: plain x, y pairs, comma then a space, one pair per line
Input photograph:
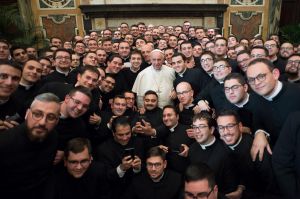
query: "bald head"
185, 93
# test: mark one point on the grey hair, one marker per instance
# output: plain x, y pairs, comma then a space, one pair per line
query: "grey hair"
46, 97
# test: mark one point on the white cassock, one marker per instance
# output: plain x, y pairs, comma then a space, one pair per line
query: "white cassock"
160, 81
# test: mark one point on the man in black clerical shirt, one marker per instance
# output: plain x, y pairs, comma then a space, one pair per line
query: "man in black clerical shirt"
71, 124
28, 150
28, 86
157, 182
196, 77
210, 150
256, 177
62, 63
199, 182
10, 75
185, 95
81, 177
121, 155
286, 161
152, 115
280, 99
175, 141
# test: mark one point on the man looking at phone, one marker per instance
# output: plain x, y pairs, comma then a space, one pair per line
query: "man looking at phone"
122, 156
157, 182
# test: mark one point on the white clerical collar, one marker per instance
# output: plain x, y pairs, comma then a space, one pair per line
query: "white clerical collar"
275, 91
3, 101
182, 73
189, 106
26, 86
242, 103
159, 179
62, 72
133, 70
203, 146
62, 116
172, 129
232, 147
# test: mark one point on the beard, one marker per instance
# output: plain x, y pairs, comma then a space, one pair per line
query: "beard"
37, 134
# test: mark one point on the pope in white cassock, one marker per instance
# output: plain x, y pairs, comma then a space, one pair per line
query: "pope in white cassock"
157, 77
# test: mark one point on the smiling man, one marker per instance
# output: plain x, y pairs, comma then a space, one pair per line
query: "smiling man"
157, 182
79, 170
20, 147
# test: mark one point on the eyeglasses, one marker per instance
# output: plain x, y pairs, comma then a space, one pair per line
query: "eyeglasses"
201, 195
60, 58
257, 55
83, 163
270, 46
233, 88
78, 102
199, 128
155, 165
261, 77
228, 127
38, 115
286, 48
206, 60
182, 93
296, 62
221, 67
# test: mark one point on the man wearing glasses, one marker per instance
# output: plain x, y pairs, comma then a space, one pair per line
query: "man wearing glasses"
292, 68
199, 183
28, 150
157, 182
256, 178
278, 101
80, 177
210, 150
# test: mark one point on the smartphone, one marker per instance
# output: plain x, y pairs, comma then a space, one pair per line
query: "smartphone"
141, 118
129, 152
14, 117
177, 150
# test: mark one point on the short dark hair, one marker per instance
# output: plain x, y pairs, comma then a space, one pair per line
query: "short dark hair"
13, 48
119, 121
208, 53
136, 52
151, 92
222, 38
179, 54
185, 42
12, 64
90, 68
243, 52
265, 61
156, 152
237, 76
171, 107
229, 112
200, 171
61, 50
204, 115
110, 58
81, 89
77, 145
222, 59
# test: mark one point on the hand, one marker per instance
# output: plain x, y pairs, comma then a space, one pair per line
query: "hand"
164, 148
246, 129
136, 163
173, 94
185, 151
137, 128
126, 163
147, 129
110, 121
58, 157
237, 194
190, 133
142, 110
197, 109
203, 105
95, 119
7, 124
260, 142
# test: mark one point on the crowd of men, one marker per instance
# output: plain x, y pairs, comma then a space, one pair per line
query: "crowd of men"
147, 112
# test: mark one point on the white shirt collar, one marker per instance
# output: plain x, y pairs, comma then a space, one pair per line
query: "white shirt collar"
62, 72
275, 91
242, 103
159, 179
189, 106
182, 73
232, 147
27, 87
203, 146
172, 129
3, 101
